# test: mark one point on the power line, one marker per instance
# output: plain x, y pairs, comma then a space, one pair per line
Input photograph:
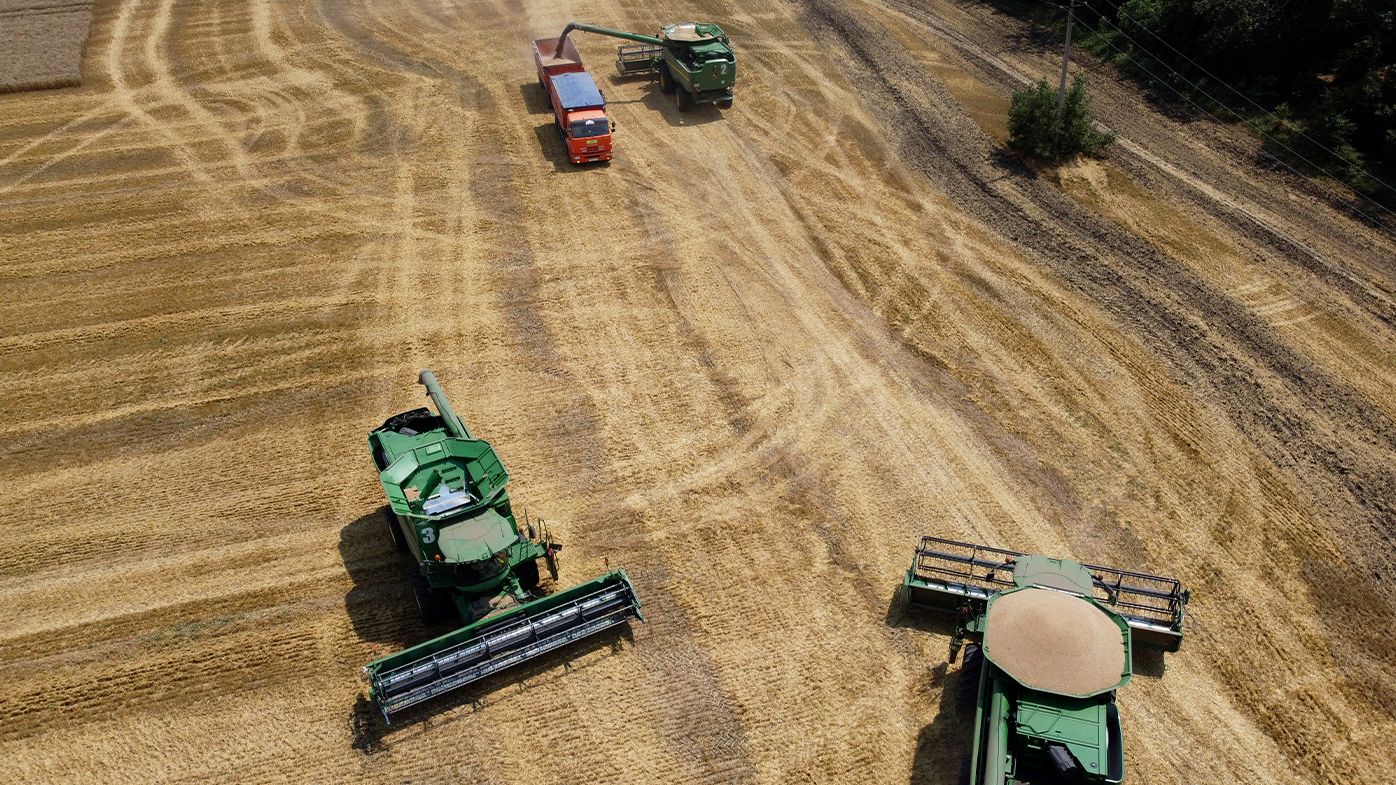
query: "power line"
1066, 57
1267, 154
1247, 98
1335, 194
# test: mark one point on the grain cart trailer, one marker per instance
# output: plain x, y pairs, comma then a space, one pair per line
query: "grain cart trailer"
1050, 642
693, 60
449, 509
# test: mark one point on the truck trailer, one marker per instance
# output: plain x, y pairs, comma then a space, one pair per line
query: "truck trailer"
577, 103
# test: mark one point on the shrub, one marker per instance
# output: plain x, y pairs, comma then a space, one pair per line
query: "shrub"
1035, 130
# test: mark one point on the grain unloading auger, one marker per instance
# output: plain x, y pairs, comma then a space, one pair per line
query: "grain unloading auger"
693, 60
1051, 641
449, 508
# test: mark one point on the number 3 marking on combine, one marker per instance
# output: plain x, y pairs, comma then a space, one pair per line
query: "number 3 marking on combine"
428, 535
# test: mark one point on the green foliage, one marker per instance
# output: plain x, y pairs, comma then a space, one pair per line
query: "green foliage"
1032, 121
1325, 68
1035, 129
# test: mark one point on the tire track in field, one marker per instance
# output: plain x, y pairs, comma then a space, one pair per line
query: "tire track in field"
1158, 317
1295, 413
1247, 210
133, 102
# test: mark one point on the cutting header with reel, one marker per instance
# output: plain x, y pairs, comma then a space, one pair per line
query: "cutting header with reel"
449, 509
1047, 644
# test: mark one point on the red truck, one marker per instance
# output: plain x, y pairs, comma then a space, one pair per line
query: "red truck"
577, 103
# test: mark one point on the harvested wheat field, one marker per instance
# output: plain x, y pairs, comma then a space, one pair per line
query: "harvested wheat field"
749, 361
41, 43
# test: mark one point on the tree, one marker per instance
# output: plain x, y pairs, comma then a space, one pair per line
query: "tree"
1035, 129
1316, 77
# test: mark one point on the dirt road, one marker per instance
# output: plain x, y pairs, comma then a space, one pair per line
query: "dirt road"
750, 361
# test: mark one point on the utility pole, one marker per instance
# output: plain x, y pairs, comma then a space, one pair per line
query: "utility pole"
1066, 56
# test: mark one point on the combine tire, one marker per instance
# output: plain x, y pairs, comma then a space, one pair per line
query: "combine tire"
431, 605
666, 80
684, 100
395, 532
967, 691
964, 771
725, 104
527, 573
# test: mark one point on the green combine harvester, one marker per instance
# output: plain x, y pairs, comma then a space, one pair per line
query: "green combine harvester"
449, 509
694, 60
1050, 643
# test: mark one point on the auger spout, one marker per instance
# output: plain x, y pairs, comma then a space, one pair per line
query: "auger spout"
644, 39
453, 423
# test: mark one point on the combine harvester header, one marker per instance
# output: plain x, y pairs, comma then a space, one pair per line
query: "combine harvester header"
1051, 641
449, 509
473, 652
946, 574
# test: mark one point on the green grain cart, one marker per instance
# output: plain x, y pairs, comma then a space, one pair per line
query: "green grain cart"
1050, 643
693, 60
449, 509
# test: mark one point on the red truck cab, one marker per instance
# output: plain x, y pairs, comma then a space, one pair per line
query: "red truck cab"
577, 103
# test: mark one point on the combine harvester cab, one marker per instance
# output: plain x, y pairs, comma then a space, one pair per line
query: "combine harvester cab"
450, 510
1050, 643
693, 60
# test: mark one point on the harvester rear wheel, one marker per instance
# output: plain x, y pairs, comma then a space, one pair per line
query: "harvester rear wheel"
395, 531
964, 771
725, 104
431, 605
967, 691
684, 100
666, 80
527, 573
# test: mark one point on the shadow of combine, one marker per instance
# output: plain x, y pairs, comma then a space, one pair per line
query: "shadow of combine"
368, 728
928, 621
941, 747
380, 604
666, 105
698, 114
1149, 663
